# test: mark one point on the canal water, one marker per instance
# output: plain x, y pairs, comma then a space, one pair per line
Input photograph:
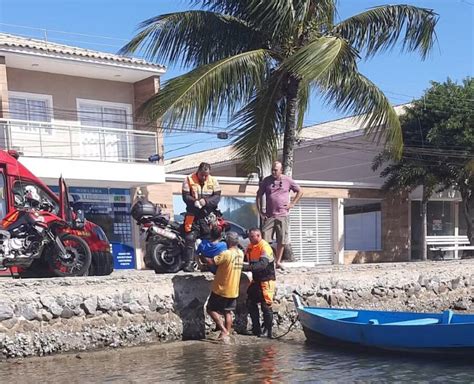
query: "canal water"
247, 359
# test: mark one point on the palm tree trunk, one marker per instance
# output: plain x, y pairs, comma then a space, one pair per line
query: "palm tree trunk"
424, 223
289, 138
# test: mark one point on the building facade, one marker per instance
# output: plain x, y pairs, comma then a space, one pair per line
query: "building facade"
344, 216
73, 112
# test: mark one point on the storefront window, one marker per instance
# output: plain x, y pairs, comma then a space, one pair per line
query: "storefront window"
362, 225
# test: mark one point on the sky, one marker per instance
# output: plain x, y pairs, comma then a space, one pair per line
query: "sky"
402, 76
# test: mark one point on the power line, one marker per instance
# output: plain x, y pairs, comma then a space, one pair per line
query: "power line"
65, 32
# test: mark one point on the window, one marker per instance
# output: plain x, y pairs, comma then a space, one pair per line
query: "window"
30, 107
105, 144
19, 189
104, 114
362, 225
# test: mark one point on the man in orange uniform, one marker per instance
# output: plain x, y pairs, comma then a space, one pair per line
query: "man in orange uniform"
201, 193
261, 263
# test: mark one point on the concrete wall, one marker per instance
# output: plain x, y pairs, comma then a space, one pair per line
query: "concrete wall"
39, 317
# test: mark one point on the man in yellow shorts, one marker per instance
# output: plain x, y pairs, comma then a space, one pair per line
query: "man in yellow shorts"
261, 263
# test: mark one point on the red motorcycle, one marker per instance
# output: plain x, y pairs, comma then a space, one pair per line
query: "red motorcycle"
34, 234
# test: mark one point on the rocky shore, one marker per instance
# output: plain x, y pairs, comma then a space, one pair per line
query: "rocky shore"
47, 316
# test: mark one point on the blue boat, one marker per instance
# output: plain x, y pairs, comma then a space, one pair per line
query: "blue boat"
396, 331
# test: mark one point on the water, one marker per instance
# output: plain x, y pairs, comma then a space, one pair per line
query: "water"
249, 360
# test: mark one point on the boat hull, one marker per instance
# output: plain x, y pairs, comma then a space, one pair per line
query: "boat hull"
319, 339
395, 331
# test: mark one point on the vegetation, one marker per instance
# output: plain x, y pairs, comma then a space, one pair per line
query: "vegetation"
438, 132
259, 61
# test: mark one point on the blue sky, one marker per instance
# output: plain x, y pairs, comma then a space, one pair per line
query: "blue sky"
401, 76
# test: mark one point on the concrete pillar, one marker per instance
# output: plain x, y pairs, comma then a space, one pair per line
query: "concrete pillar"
3, 88
338, 230
144, 90
4, 106
396, 236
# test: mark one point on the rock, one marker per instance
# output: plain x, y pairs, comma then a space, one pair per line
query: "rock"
45, 315
455, 283
90, 305
461, 304
51, 304
133, 307
104, 303
67, 313
28, 312
6, 310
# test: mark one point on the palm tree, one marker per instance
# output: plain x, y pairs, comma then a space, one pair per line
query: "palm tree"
259, 61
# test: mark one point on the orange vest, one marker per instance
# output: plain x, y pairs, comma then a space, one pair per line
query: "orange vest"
193, 186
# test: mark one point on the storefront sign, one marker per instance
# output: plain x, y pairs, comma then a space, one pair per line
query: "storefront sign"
124, 256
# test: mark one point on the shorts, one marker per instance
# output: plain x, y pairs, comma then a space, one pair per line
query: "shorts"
277, 226
221, 304
261, 292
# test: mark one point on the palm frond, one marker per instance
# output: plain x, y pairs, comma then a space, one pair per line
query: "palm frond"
259, 124
380, 28
275, 17
303, 103
351, 92
313, 60
192, 37
209, 90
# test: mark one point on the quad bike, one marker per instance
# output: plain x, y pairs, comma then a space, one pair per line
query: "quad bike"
34, 235
165, 244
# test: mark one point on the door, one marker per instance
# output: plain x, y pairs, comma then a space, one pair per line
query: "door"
311, 229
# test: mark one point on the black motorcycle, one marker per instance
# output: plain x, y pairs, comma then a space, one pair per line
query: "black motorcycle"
164, 239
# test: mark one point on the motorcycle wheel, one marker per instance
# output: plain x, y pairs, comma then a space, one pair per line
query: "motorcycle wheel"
77, 261
165, 258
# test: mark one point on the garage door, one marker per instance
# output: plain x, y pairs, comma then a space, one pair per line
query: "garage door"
311, 231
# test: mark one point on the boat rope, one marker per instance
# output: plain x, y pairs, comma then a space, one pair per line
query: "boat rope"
289, 329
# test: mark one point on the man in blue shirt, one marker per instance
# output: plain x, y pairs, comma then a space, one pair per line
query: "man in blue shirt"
212, 247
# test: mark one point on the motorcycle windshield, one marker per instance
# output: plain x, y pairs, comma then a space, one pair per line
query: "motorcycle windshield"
64, 210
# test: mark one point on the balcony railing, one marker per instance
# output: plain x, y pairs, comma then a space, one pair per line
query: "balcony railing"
75, 141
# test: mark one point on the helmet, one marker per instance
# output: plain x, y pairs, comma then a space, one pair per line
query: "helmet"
31, 196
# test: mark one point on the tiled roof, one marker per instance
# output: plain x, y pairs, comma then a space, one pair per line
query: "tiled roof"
228, 154
14, 41
190, 162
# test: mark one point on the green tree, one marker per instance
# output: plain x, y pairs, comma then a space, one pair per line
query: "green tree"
438, 132
258, 61
448, 110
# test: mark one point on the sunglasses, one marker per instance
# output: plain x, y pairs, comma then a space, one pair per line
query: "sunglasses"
274, 186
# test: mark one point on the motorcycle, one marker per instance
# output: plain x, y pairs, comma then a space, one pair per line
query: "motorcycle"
34, 235
164, 239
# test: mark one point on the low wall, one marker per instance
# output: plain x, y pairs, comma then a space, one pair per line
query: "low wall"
39, 317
